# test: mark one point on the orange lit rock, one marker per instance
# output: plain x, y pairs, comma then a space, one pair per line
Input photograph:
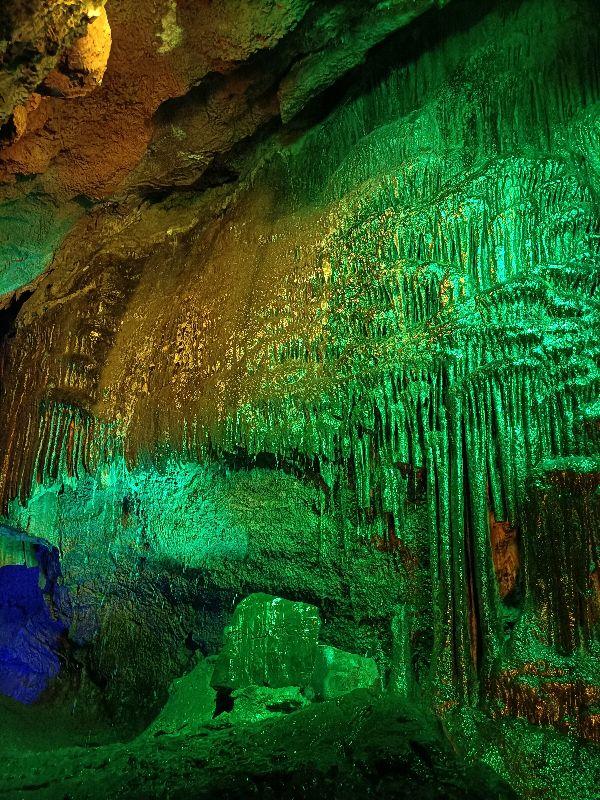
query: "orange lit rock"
544, 695
83, 67
505, 554
21, 118
44, 29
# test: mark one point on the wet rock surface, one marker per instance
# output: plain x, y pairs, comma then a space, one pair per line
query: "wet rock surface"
270, 642
337, 672
299, 304
355, 746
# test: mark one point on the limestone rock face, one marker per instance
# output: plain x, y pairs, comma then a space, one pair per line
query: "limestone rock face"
33, 36
29, 637
83, 66
226, 72
270, 642
340, 40
296, 301
337, 672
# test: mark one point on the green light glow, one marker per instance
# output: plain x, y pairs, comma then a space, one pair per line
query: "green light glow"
30, 232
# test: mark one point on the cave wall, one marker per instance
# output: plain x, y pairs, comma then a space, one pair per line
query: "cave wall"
339, 366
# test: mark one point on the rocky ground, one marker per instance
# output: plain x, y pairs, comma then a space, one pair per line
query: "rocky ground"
362, 745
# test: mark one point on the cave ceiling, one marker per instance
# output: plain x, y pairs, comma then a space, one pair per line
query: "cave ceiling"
120, 138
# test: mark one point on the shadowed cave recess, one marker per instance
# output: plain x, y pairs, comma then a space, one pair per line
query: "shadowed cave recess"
299, 399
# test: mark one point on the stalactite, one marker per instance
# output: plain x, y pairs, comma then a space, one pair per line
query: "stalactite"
563, 550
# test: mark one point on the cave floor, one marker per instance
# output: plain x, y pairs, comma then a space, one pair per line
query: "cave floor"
361, 745
44, 727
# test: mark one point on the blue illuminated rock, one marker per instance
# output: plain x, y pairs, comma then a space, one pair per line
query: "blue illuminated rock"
29, 636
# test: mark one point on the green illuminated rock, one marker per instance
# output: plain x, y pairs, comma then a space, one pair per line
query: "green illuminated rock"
402, 678
270, 642
253, 703
191, 703
338, 672
30, 231
355, 360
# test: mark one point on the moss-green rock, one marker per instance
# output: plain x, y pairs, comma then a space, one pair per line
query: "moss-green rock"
270, 642
253, 703
191, 703
338, 672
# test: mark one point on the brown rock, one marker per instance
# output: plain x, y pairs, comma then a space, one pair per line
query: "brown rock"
82, 68
42, 30
505, 554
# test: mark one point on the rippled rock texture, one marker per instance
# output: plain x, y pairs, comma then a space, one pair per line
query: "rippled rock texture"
301, 299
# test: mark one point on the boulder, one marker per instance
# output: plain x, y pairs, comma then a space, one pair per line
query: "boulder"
338, 672
253, 703
270, 642
191, 703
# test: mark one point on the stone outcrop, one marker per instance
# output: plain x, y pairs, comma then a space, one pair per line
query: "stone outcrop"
250, 64
270, 642
254, 703
337, 672
190, 705
82, 68
338, 750
33, 38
